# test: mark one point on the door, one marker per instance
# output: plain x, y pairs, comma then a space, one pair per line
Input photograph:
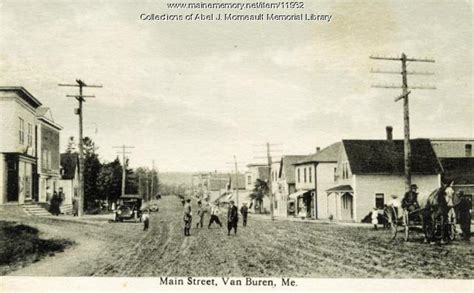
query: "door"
12, 180
346, 207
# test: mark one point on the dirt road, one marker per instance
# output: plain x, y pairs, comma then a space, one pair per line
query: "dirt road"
264, 248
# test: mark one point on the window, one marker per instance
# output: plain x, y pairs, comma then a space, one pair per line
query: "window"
22, 131
379, 201
30, 134
304, 176
249, 180
310, 175
345, 170
468, 150
299, 175
335, 174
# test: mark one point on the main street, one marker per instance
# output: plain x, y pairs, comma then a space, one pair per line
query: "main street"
264, 248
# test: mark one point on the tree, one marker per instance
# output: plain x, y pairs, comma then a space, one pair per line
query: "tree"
110, 180
259, 192
92, 168
71, 145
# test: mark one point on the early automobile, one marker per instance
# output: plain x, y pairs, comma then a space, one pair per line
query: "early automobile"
128, 208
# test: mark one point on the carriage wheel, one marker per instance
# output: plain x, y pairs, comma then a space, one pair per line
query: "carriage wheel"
393, 229
452, 232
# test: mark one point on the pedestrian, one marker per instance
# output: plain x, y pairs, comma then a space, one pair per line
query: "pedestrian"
201, 211
75, 207
215, 216
146, 220
375, 220
244, 210
232, 218
187, 217
464, 212
54, 204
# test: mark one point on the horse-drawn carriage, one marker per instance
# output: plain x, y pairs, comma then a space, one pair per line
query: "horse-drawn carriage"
432, 217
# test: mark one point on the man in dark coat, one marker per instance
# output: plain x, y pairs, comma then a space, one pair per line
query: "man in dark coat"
244, 210
410, 200
464, 213
187, 217
232, 218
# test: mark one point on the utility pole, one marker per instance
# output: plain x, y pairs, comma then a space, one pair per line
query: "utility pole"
235, 163
80, 98
124, 164
152, 178
269, 181
405, 92
269, 160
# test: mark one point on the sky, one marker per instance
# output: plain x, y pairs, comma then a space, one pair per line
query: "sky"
191, 95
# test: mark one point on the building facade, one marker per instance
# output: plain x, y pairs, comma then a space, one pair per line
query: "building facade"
18, 163
48, 134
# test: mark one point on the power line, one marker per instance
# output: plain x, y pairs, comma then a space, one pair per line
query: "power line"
80, 98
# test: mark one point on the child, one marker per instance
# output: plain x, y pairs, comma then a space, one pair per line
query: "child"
375, 220
146, 220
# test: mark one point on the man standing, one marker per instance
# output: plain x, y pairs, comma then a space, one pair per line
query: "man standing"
201, 211
244, 210
187, 217
410, 200
464, 212
232, 218
215, 216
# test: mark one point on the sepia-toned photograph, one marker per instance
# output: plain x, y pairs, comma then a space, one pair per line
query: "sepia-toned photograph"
236, 144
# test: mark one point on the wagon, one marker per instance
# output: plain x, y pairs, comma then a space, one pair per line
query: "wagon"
410, 220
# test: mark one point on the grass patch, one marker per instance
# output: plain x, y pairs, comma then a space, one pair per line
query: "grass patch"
20, 245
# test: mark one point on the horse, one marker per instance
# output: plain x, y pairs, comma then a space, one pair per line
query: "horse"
434, 209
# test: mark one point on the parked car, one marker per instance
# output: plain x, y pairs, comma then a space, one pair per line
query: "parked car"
129, 208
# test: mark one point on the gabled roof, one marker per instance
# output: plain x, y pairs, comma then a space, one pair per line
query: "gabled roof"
23, 93
287, 165
327, 155
461, 170
69, 162
387, 156
44, 114
341, 188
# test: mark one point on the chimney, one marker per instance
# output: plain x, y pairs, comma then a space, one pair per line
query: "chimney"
318, 149
389, 130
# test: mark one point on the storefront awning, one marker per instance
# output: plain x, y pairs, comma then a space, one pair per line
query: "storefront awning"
340, 188
297, 194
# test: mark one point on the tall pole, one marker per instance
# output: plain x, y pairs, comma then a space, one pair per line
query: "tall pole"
406, 123
124, 164
81, 157
236, 182
405, 93
269, 160
152, 178
80, 98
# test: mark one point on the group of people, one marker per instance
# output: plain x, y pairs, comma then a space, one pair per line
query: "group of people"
55, 200
232, 216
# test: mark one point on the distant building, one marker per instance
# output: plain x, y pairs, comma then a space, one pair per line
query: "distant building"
315, 174
48, 133
18, 164
283, 183
453, 147
254, 172
69, 176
